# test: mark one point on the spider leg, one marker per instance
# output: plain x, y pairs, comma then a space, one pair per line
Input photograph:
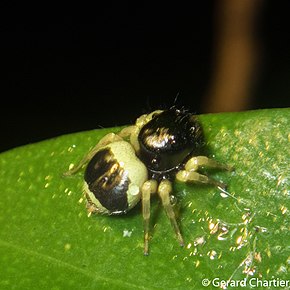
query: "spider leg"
164, 190
149, 187
185, 176
198, 161
131, 132
107, 139
144, 119
191, 166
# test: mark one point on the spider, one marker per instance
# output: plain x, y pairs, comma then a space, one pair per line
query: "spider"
143, 159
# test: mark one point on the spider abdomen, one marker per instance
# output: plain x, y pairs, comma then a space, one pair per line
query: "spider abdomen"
113, 178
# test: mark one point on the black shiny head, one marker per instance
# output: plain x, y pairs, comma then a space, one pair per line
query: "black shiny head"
108, 182
168, 140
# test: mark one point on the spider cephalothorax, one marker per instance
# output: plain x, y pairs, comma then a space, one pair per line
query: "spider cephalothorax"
168, 140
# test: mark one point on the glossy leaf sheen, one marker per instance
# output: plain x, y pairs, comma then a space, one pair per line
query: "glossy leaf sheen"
47, 240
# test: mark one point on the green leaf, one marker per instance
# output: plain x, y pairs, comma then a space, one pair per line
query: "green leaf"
47, 240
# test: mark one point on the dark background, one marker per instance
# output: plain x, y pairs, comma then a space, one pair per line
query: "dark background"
59, 78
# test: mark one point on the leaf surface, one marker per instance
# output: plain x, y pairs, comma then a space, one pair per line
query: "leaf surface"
47, 240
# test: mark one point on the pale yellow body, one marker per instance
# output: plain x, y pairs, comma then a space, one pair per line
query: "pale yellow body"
133, 168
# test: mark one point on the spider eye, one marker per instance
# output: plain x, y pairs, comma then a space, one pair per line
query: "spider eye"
155, 162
